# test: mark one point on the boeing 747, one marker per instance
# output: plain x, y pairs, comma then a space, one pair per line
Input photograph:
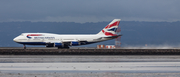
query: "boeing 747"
65, 41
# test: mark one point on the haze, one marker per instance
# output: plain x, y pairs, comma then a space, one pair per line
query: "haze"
82, 11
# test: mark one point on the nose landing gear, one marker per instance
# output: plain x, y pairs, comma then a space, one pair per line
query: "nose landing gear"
24, 46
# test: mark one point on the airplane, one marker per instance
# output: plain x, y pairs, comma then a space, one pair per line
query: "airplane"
65, 41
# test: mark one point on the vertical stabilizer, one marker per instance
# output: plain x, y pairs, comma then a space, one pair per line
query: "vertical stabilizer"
110, 29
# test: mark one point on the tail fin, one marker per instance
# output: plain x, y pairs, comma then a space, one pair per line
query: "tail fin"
110, 29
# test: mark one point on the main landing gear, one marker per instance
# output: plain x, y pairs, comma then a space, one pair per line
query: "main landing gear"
64, 47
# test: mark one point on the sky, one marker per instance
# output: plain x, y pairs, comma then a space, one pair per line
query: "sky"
82, 11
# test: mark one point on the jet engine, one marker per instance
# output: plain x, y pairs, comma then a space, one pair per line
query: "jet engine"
58, 45
74, 43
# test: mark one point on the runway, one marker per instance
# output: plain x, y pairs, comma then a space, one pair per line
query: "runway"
89, 66
122, 67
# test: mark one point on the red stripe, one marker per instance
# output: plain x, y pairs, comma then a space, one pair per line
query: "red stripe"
103, 31
34, 35
107, 27
114, 24
109, 34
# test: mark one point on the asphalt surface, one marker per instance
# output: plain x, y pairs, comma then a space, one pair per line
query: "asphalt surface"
89, 66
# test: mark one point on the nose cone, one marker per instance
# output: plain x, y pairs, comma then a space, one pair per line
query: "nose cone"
15, 39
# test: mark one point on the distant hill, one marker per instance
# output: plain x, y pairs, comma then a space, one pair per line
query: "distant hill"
134, 33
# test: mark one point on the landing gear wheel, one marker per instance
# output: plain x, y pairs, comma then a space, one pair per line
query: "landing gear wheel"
65, 47
59, 47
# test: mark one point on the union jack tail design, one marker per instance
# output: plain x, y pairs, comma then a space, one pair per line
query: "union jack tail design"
111, 28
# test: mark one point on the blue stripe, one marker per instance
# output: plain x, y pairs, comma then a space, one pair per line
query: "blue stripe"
113, 29
33, 43
29, 37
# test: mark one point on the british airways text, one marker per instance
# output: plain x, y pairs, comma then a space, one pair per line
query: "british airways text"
44, 37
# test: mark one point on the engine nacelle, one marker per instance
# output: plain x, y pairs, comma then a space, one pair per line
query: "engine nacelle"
74, 43
58, 45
